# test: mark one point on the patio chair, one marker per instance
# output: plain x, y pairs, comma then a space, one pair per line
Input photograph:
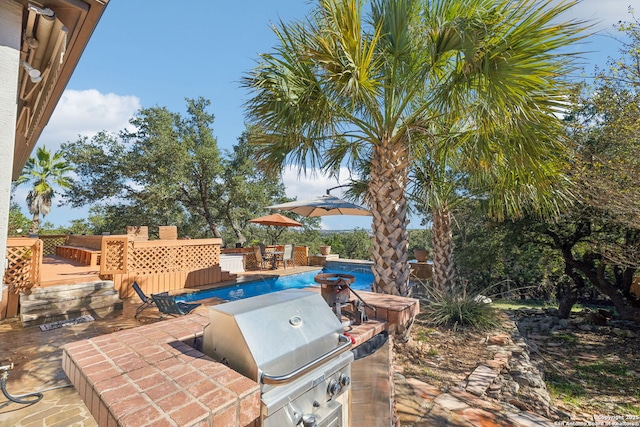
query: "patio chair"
287, 256
146, 301
266, 255
261, 261
168, 305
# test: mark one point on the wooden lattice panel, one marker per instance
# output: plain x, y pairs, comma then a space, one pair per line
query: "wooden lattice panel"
201, 256
114, 255
251, 263
18, 275
162, 265
23, 271
149, 260
170, 259
49, 243
300, 255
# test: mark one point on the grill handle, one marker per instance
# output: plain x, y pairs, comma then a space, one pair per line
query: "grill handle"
265, 378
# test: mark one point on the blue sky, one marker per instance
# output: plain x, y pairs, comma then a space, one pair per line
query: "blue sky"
145, 54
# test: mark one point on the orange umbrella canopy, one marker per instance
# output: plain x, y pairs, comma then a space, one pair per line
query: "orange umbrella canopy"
277, 220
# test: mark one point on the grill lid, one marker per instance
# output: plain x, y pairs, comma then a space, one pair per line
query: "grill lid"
274, 333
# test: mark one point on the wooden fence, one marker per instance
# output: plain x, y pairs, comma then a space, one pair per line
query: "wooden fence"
159, 265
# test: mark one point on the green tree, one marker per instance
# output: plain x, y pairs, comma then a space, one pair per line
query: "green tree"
247, 188
182, 162
351, 86
18, 222
599, 236
354, 244
169, 171
498, 259
45, 171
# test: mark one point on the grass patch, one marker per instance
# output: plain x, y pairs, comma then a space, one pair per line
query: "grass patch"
561, 388
604, 375
617, 369
564, 337
629, 409
428, 373
422, 335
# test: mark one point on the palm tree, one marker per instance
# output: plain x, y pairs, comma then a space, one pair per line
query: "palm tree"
44, 171
343, 86
508, 184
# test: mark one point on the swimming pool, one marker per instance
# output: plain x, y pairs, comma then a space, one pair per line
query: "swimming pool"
265, 286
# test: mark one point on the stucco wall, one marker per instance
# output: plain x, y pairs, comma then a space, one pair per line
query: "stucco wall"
10, 34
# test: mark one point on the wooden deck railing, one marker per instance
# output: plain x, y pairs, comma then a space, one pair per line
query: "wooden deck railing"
159, 265
49, 243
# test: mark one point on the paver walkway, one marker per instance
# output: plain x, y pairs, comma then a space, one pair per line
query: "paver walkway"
37, 359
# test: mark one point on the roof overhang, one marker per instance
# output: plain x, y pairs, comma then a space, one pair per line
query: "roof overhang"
52, 46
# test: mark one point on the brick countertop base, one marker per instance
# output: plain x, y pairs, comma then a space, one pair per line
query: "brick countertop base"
152, 376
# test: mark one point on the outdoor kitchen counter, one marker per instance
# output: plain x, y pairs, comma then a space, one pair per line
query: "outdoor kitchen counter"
152, 375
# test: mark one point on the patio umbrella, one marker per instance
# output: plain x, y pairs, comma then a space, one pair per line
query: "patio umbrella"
322, 206
277, 220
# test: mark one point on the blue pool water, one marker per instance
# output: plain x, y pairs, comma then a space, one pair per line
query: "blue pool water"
265, 286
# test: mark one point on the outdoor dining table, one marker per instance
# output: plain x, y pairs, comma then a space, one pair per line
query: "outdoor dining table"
275, 255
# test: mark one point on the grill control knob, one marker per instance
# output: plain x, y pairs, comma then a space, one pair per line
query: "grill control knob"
309, 421
344, 380
334, 388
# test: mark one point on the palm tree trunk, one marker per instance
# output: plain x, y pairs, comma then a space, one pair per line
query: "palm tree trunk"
387, 183
35, 224
444, 272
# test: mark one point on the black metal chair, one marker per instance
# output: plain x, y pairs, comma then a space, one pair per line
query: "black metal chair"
146, 301
168, 305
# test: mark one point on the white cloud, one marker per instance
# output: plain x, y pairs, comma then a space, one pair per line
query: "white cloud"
312, 184
602, 13
86, 113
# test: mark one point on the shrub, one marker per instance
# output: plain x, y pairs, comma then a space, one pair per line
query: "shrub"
458, 308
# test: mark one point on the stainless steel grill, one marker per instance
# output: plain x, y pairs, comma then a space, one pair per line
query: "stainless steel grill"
291, 343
